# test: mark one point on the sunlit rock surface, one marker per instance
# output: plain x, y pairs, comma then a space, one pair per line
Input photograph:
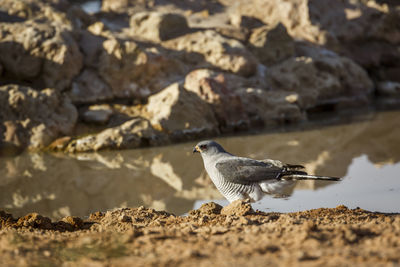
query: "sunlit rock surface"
44, 54
321, 77
156, 27
179, 112
30, 118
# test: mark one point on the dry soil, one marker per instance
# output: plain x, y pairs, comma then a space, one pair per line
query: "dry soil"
210, 236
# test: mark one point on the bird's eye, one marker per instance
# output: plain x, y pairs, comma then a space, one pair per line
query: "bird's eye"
203, 146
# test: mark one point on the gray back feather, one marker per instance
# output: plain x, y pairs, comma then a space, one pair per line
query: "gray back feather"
246, 171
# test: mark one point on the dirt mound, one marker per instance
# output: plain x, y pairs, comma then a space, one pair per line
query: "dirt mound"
37, 221
210, 235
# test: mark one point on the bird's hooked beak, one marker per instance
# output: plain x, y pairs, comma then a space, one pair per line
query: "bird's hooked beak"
196, 149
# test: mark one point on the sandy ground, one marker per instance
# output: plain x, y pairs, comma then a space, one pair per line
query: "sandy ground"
209, 236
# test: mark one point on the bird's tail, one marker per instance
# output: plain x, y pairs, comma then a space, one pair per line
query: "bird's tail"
304, 176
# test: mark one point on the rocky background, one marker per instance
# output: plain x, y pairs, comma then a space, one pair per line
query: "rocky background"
140, 73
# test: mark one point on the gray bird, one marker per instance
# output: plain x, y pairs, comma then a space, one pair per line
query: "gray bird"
245, 178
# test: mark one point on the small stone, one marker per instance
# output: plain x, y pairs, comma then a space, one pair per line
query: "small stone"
46, 253
157, 27
388, 88
242, 21
99, 114
293, 98
271, 44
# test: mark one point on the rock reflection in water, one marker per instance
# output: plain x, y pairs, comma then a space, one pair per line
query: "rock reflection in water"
171, 178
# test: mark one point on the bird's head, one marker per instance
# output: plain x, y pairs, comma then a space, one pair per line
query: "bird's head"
208, 147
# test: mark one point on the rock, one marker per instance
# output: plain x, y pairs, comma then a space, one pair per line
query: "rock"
271, 44
303, 19
41, 53
132, 134
321, 78
240, 34
365, 31
124, 67
181, 113
238, 208
99, 114
14, 134
221, 52
91, 46
134, 72
242, 21
88, 87
388, 88
55, 11
270, 108
60, 143
121, 6
216, 89
32, 118
157, 27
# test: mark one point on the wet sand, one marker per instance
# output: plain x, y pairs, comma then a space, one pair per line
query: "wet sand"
209, 236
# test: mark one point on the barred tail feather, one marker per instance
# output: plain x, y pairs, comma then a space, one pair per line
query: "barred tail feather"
309, 177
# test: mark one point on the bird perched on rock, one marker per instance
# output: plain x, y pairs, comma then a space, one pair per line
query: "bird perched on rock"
245, 178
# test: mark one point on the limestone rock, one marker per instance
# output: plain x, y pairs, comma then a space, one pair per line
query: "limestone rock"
91, 46
320, 78
123, 66
59, 144
132, 71
221, 52
40, 53
132, 134
58, 11
242, 21
271, 44
365, 31
270, 108
217, 90
181, 113
99, 114
121, 6
157, 27
34, 118
89, 88
388, 88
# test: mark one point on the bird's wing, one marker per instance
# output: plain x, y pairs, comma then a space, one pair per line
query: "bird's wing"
244, 170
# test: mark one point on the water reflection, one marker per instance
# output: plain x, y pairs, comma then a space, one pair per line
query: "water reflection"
173, 179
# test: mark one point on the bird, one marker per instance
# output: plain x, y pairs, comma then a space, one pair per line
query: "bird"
240, 178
